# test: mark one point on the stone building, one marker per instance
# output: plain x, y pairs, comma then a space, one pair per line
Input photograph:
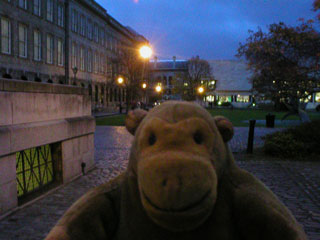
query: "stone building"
232, 83
163, 73
64, 41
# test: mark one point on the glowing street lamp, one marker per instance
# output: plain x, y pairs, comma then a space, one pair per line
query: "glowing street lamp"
144, 85
120, 80
145, 52
158, 88
201, 90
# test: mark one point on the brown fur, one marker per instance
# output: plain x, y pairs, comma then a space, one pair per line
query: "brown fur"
181, 183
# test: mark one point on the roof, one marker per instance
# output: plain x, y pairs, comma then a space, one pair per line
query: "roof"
231, 75
168, 64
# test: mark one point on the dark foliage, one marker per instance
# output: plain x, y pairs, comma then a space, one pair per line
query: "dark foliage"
285, 62
37, 79
300, 141
6, 75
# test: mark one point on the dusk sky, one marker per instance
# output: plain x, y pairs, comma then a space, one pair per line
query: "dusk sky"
211, 29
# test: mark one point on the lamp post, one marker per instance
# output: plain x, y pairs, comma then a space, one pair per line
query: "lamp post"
201, 92
74, 70
144, 87
120, 81
145, 52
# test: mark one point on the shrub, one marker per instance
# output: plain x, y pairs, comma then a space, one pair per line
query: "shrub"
299, 141
225, 104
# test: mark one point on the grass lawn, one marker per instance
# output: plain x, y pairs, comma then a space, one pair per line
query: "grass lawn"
236, 116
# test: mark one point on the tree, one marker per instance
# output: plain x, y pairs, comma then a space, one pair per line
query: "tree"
284, 62
316, 7
186, 83
132, 70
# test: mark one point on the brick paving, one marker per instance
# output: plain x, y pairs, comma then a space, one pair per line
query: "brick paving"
297, 184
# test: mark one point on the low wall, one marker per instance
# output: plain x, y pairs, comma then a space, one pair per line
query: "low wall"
36, 114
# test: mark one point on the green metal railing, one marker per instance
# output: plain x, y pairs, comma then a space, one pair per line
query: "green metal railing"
35, 169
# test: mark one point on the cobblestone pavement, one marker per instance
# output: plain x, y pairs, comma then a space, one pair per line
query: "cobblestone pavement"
295, 183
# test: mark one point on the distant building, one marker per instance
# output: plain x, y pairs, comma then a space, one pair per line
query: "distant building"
64, 41
164, 72
232, 83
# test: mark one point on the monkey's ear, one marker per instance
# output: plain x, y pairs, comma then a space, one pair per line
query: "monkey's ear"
134, 119
225, 128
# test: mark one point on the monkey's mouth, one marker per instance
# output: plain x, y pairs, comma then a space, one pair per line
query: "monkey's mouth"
189, 207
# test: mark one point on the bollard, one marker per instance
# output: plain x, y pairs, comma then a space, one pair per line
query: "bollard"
251, 136
83, 166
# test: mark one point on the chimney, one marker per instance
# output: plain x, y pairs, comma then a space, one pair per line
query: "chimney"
155, 61
174, 61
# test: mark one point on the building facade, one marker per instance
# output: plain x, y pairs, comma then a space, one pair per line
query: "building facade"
232, 83
67, 42
164, 73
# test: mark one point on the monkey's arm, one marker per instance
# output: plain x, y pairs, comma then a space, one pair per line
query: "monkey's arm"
259, 214
93, 216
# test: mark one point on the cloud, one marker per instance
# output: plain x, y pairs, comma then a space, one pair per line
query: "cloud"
209, 28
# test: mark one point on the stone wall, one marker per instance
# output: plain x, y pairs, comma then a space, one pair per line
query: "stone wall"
35, 114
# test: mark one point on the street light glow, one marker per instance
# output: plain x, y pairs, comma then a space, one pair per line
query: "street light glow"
200, 89
145, 52
144, 85
120, 80
158, 88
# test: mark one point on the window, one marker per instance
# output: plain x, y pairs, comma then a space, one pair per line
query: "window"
23, 4
37, 7
36, 45
82, 59
96, 62
102, 37
50, 10
101, 63
95, 33
60, 15
89, 29
74, 21
74, 55
60, 52
82, 25
317, 97
89, 60
22, 41
5, 36
244, 99
111, 43
49, 49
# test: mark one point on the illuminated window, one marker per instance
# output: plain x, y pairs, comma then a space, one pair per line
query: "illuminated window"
225, 98
244, 99
317, 97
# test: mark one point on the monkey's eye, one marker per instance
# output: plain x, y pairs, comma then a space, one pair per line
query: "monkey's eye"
152, 139
198, 137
